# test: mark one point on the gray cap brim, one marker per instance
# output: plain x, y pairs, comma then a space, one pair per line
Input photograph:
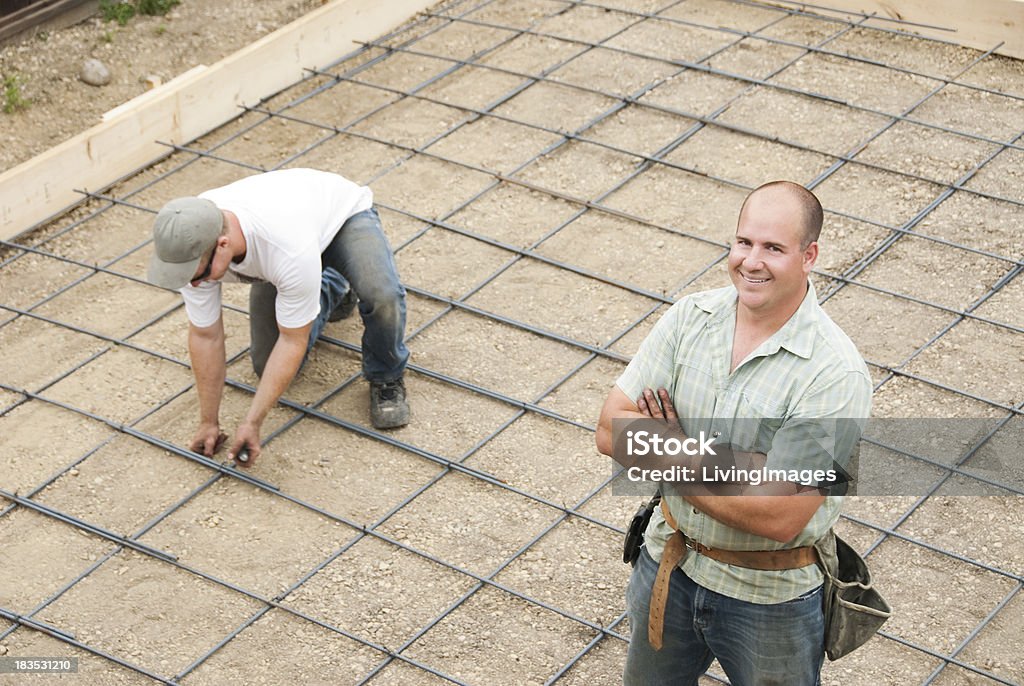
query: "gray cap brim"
172, 275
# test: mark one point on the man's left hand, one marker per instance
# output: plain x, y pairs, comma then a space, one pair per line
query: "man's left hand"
247, 438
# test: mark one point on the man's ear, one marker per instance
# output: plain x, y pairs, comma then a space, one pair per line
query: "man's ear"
810, 256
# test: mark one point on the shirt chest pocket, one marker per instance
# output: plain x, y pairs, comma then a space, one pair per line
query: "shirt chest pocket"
693, 390
749, 420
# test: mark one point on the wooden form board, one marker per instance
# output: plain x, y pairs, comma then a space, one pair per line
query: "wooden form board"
187, 107
980, 24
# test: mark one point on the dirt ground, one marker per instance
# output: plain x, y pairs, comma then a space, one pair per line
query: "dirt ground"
47, 64
552, 175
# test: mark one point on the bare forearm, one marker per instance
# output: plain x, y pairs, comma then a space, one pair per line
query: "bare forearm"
776, 517
206, 350
605, 437
778, 510
282, 365
773, 509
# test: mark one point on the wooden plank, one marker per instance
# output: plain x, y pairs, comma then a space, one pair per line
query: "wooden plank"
44, 15
185, 108
980, 24
12, 6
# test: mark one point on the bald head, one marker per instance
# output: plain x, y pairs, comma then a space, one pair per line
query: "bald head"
803, 202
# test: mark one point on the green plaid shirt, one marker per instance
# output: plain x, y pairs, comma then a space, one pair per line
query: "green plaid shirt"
808, 374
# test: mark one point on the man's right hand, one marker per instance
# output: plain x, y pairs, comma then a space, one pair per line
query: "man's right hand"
657, 405
208, 440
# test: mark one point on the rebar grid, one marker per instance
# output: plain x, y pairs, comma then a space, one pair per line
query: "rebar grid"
449, 223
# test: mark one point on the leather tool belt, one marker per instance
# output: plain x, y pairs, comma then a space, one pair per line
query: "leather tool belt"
679, 545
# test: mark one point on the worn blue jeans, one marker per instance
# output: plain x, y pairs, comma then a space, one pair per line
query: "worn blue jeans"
361, 254
756, 645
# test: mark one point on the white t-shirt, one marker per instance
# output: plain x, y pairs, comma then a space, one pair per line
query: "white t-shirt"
288, 218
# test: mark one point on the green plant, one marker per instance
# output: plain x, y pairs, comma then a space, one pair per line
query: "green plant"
160, 30
117, 10
14, 100
123, 10
156, 8
107, 37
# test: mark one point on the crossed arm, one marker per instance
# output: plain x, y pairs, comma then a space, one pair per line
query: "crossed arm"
776, 510
206, 349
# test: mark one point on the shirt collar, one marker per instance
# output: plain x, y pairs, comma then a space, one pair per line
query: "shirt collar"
797, 335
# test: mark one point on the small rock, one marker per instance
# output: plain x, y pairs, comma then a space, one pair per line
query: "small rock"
151, 81
95, 73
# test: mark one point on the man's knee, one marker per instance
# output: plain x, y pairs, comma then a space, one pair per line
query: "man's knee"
262, 324
263, 337
384, 303
259, 363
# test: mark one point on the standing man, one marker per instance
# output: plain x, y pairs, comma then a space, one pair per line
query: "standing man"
310, 243
760, 365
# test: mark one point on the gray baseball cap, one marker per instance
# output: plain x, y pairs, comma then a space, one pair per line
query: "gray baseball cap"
184, 230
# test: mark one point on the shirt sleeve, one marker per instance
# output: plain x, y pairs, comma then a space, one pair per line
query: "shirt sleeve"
653, 364
202, 303
824, 429
298, 290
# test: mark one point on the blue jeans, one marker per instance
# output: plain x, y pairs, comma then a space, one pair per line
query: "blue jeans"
361, 254
756, 645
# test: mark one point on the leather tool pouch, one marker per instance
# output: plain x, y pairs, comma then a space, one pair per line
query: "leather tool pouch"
635, 532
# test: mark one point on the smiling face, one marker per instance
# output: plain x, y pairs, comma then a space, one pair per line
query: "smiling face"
768, 263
